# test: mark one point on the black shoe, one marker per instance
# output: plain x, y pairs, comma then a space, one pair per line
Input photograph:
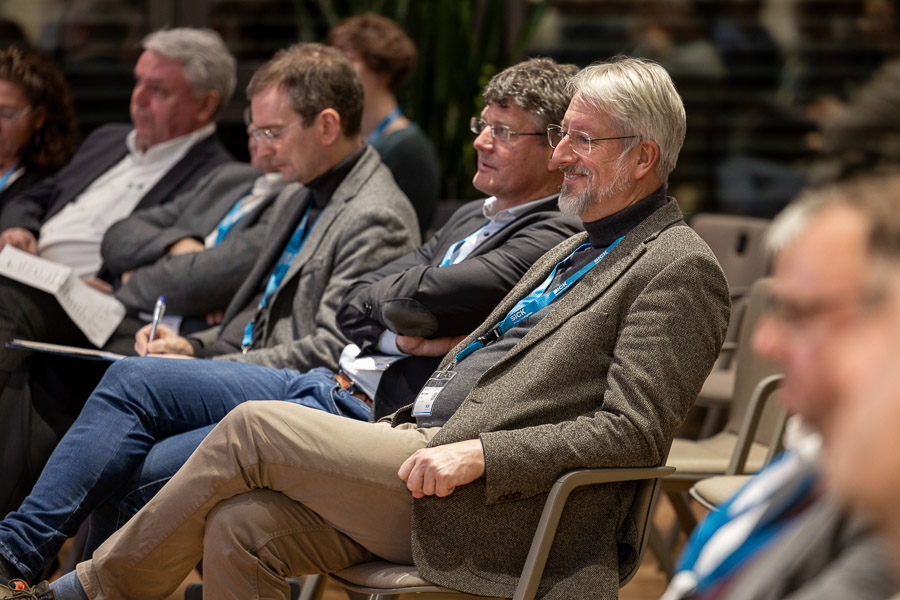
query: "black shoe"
19, 589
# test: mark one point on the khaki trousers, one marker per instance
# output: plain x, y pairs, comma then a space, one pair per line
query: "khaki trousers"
275, 490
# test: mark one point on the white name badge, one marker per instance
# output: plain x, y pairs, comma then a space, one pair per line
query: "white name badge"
434, 386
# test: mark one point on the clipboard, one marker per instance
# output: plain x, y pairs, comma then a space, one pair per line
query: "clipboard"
61, 350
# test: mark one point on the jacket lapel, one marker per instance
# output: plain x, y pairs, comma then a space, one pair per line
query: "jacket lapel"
345, 192
594, 284
195, 157
293, 202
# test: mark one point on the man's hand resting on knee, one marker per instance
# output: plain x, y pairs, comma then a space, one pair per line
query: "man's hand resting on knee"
439, 470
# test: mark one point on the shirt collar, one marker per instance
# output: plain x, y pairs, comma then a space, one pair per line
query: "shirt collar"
490, 212
169, 147
268, 183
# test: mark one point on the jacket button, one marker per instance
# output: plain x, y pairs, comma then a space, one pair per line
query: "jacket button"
367, 308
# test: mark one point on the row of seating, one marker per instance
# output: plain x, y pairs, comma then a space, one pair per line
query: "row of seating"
740, 390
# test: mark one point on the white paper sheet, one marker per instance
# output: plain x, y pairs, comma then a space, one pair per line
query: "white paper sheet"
96, 314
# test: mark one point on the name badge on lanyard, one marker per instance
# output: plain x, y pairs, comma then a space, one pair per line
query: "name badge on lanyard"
433, 387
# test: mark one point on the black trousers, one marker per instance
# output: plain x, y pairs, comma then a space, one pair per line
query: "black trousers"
41, 394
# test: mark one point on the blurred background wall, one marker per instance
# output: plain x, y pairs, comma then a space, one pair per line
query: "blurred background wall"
758, 77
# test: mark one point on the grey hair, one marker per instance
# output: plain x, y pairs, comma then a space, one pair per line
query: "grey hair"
537, 86
208, 64
876, 198
640, 99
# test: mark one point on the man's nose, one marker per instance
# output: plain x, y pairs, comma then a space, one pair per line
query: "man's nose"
139, 94
484, 140
562, 154
768, 339
264, 149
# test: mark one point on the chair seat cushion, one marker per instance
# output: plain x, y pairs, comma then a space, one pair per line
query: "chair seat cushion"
714, 491
383, 574
711, 455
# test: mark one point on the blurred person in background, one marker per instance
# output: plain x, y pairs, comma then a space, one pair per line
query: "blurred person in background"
38, 131
862, 462
384, 57
782, 535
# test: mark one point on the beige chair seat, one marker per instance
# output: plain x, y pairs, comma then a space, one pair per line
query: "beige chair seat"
714, 491
711, 455
383, 580
381, 576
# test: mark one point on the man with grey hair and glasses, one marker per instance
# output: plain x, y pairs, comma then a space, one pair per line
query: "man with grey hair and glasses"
183, 80
592, 360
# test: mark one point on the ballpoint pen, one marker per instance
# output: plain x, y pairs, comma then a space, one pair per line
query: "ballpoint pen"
158, 311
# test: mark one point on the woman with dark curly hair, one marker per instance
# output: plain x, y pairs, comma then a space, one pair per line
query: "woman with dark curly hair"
38, 131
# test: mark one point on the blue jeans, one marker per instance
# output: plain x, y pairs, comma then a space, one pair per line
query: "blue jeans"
144, 404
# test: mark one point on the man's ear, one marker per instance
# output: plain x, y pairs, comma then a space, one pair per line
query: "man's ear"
329, 124
209, 103
648, 157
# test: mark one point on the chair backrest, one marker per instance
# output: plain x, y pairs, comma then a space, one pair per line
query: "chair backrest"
738, 243
752, 368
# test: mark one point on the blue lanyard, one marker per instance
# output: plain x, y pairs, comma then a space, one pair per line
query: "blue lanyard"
766, 530
450, 257
230, 220
8, 174
385, 122
535, 301
281, 269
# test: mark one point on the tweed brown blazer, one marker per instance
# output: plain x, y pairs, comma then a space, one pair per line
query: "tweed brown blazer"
602, 381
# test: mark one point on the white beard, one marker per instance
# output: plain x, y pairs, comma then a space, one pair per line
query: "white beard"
573, 205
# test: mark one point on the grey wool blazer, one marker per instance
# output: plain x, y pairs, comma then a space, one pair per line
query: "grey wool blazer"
367, 223
197, 283
603, 380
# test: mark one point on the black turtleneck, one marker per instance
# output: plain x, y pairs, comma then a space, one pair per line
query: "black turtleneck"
607, 230
322, 187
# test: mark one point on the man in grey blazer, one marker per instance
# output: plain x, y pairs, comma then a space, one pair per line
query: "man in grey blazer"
597, 367
342, 216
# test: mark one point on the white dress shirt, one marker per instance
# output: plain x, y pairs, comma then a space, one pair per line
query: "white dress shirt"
73, 235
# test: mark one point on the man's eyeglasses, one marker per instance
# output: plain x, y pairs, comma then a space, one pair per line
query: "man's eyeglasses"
579, 140
802, 314
270, 136
498, 132
11, 114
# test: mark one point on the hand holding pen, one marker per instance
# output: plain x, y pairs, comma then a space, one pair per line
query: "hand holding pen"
158, 311
165, 342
